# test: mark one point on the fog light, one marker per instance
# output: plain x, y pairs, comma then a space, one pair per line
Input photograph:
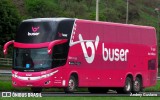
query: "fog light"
47, 82
14, 83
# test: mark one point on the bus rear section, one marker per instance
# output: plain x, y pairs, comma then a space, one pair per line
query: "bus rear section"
70, 53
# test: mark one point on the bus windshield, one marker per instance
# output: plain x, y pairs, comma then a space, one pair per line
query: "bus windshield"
31, 59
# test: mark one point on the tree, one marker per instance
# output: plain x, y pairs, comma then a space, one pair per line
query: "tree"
41, 8
9, 20
73, 8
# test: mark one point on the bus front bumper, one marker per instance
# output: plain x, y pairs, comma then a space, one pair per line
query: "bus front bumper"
45, 82
51, 79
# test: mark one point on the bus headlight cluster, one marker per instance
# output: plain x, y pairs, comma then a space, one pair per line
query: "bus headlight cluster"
14, 75
48, 75
34, 77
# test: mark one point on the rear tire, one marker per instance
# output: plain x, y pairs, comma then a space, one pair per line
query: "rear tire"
72, 85
36, 89
137, 85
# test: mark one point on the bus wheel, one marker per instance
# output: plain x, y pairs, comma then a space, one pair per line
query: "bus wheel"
72, 85
36, 89
137, 85
128, 85
127, 88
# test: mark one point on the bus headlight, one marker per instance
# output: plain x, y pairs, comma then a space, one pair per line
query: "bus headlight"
14, 75
48, 75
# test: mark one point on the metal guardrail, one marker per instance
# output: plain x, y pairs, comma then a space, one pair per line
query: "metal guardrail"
6, 61
5, 73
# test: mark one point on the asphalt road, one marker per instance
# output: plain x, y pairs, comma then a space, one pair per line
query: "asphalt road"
110, 93
79, 94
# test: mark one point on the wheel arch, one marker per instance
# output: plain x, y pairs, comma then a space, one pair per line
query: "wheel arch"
130, 76
72, 83
75, 75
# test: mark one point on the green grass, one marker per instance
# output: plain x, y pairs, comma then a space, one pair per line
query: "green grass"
154, 88
7, 86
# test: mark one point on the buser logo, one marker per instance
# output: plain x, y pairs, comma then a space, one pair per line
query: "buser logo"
114, 54
108, 54
89, 44
35, 33
35, 29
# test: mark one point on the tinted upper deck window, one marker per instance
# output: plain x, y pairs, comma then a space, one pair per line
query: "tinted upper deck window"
36, 32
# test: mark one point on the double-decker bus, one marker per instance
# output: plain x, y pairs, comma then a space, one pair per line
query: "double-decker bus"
69, 53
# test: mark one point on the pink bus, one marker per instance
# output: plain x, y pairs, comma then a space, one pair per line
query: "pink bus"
69, 53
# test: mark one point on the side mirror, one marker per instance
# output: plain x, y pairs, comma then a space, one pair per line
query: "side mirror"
5, 48
55, 42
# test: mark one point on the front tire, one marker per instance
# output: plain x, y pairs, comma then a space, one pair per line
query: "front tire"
72, 85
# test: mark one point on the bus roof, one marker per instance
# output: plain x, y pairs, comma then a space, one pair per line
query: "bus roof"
45, 19
120, 24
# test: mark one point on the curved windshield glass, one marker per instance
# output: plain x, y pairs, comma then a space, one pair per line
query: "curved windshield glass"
31, 59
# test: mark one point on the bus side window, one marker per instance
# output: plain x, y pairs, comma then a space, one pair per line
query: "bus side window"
152, 64
59, 55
